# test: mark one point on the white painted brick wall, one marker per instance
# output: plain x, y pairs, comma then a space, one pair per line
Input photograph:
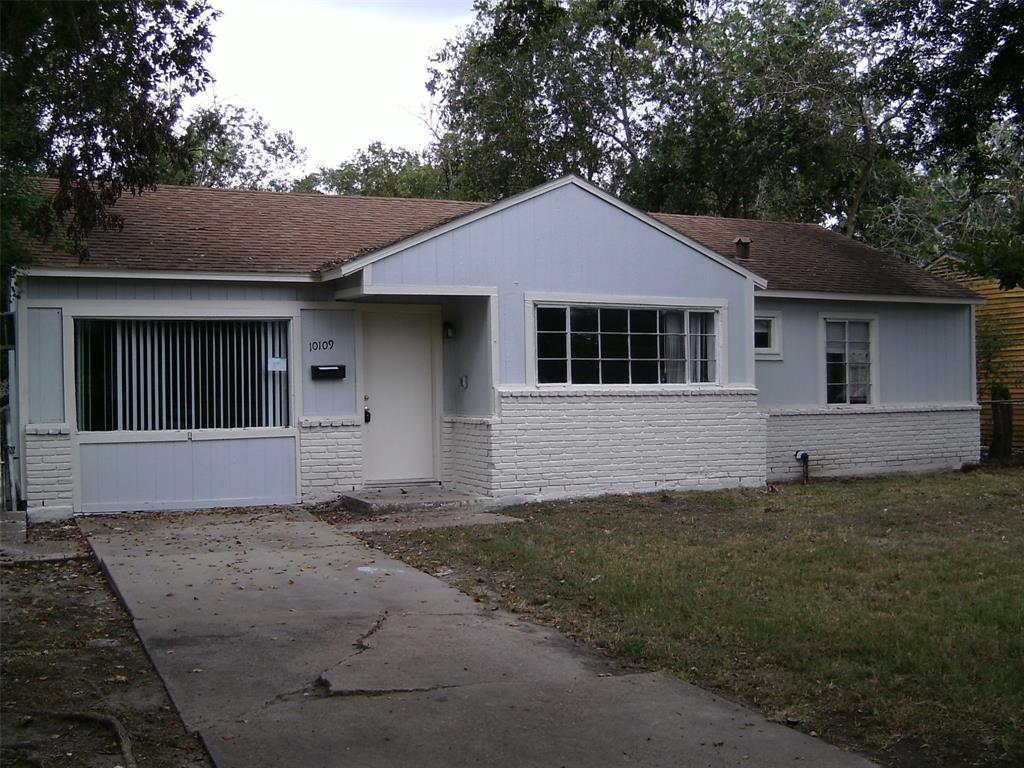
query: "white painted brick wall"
872, 440
330, 457
466, 454
581, 442
49, 484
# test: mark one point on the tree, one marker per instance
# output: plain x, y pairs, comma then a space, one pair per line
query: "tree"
381, 172
228, 146
89, 95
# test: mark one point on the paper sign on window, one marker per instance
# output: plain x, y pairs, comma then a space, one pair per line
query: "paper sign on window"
277, 364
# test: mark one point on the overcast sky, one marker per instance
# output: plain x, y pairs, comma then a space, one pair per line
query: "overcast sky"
337, 73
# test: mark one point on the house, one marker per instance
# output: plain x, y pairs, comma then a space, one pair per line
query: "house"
1005, 310
235, 348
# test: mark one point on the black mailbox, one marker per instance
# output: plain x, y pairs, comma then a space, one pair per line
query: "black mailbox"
328, 371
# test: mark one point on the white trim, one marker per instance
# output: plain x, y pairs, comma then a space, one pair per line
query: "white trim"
849, 410
182, 435
172, 274
825, 295
493, 323
972, 344
424, 290
774, 352
872, 320
360, 262
532, 299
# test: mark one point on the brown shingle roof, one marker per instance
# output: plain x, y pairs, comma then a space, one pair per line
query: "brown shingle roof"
218, 230
806, 257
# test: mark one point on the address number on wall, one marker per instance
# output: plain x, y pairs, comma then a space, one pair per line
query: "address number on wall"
322, 344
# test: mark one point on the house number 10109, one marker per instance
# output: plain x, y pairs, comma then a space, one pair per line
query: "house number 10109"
316, 346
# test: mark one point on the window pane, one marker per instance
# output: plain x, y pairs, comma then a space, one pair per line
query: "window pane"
615, 345
551, 345
702, 323
644, 372
615, 372
585, 372
672, 321
584, 344
673, 372
550, 318
643, 320
673, 347
858, 331
835, 331
551, 371
835, 393
583, 319
643, 347
614, 320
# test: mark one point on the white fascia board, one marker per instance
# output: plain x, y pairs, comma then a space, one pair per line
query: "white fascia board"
153, 274
874, 297
356, 264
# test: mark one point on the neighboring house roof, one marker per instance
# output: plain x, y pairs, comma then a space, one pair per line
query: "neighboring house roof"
807, 257
240, 231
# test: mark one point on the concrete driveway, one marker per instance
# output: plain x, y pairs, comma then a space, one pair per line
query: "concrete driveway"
284, 642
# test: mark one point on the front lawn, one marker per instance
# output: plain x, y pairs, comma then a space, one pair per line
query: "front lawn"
886, 614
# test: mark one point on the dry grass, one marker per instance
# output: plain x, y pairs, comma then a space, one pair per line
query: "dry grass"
887, 614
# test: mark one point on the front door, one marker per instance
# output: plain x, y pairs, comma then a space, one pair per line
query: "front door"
400, 419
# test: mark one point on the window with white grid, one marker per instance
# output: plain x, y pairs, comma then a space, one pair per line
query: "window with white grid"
847, 362
625, 345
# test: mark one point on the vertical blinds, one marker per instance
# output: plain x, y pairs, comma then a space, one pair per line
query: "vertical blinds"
181, 374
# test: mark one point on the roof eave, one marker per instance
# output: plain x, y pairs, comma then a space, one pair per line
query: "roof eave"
876, 297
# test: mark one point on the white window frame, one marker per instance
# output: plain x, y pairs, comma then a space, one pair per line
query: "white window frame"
719, 307
774, 352
874, 396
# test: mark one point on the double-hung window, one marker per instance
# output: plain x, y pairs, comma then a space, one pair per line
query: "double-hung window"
625, 345
848, 362
142, 375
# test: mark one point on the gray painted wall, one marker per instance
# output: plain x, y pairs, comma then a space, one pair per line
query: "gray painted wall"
924, 352
45, 365
187, 474
328, 397
569, 240
172, 290
467, 354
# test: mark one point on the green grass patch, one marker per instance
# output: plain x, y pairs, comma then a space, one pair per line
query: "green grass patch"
886, 614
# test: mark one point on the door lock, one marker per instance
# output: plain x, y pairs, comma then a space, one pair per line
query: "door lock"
366, 415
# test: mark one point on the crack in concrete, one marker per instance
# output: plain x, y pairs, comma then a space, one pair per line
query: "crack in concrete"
344, 692
360, 643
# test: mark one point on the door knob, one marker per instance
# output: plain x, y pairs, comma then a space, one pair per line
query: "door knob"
366, 415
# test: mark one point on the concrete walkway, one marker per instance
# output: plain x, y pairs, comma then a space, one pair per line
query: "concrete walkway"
285, 642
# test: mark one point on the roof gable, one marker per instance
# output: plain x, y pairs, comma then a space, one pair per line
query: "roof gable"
354, 265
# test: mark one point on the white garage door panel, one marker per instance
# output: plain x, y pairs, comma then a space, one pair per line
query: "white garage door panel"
119, 477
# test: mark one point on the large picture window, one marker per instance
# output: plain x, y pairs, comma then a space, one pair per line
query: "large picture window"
181, 374
847, 362
620, 345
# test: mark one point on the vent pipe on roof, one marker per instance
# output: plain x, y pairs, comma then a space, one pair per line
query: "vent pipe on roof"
742, 247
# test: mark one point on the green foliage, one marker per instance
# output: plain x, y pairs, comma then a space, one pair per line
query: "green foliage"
381, 172
89, 95
228, 146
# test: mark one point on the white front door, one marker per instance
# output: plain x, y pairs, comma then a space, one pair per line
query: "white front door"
400, 417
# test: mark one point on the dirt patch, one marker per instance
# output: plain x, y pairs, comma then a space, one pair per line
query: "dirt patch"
74, 670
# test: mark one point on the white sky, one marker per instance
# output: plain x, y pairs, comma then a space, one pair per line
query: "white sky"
337, 73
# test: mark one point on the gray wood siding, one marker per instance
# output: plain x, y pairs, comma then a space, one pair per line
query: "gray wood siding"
568, 240
187, 474
172, 290
923, 356
45, 368
328, 397
467, 354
